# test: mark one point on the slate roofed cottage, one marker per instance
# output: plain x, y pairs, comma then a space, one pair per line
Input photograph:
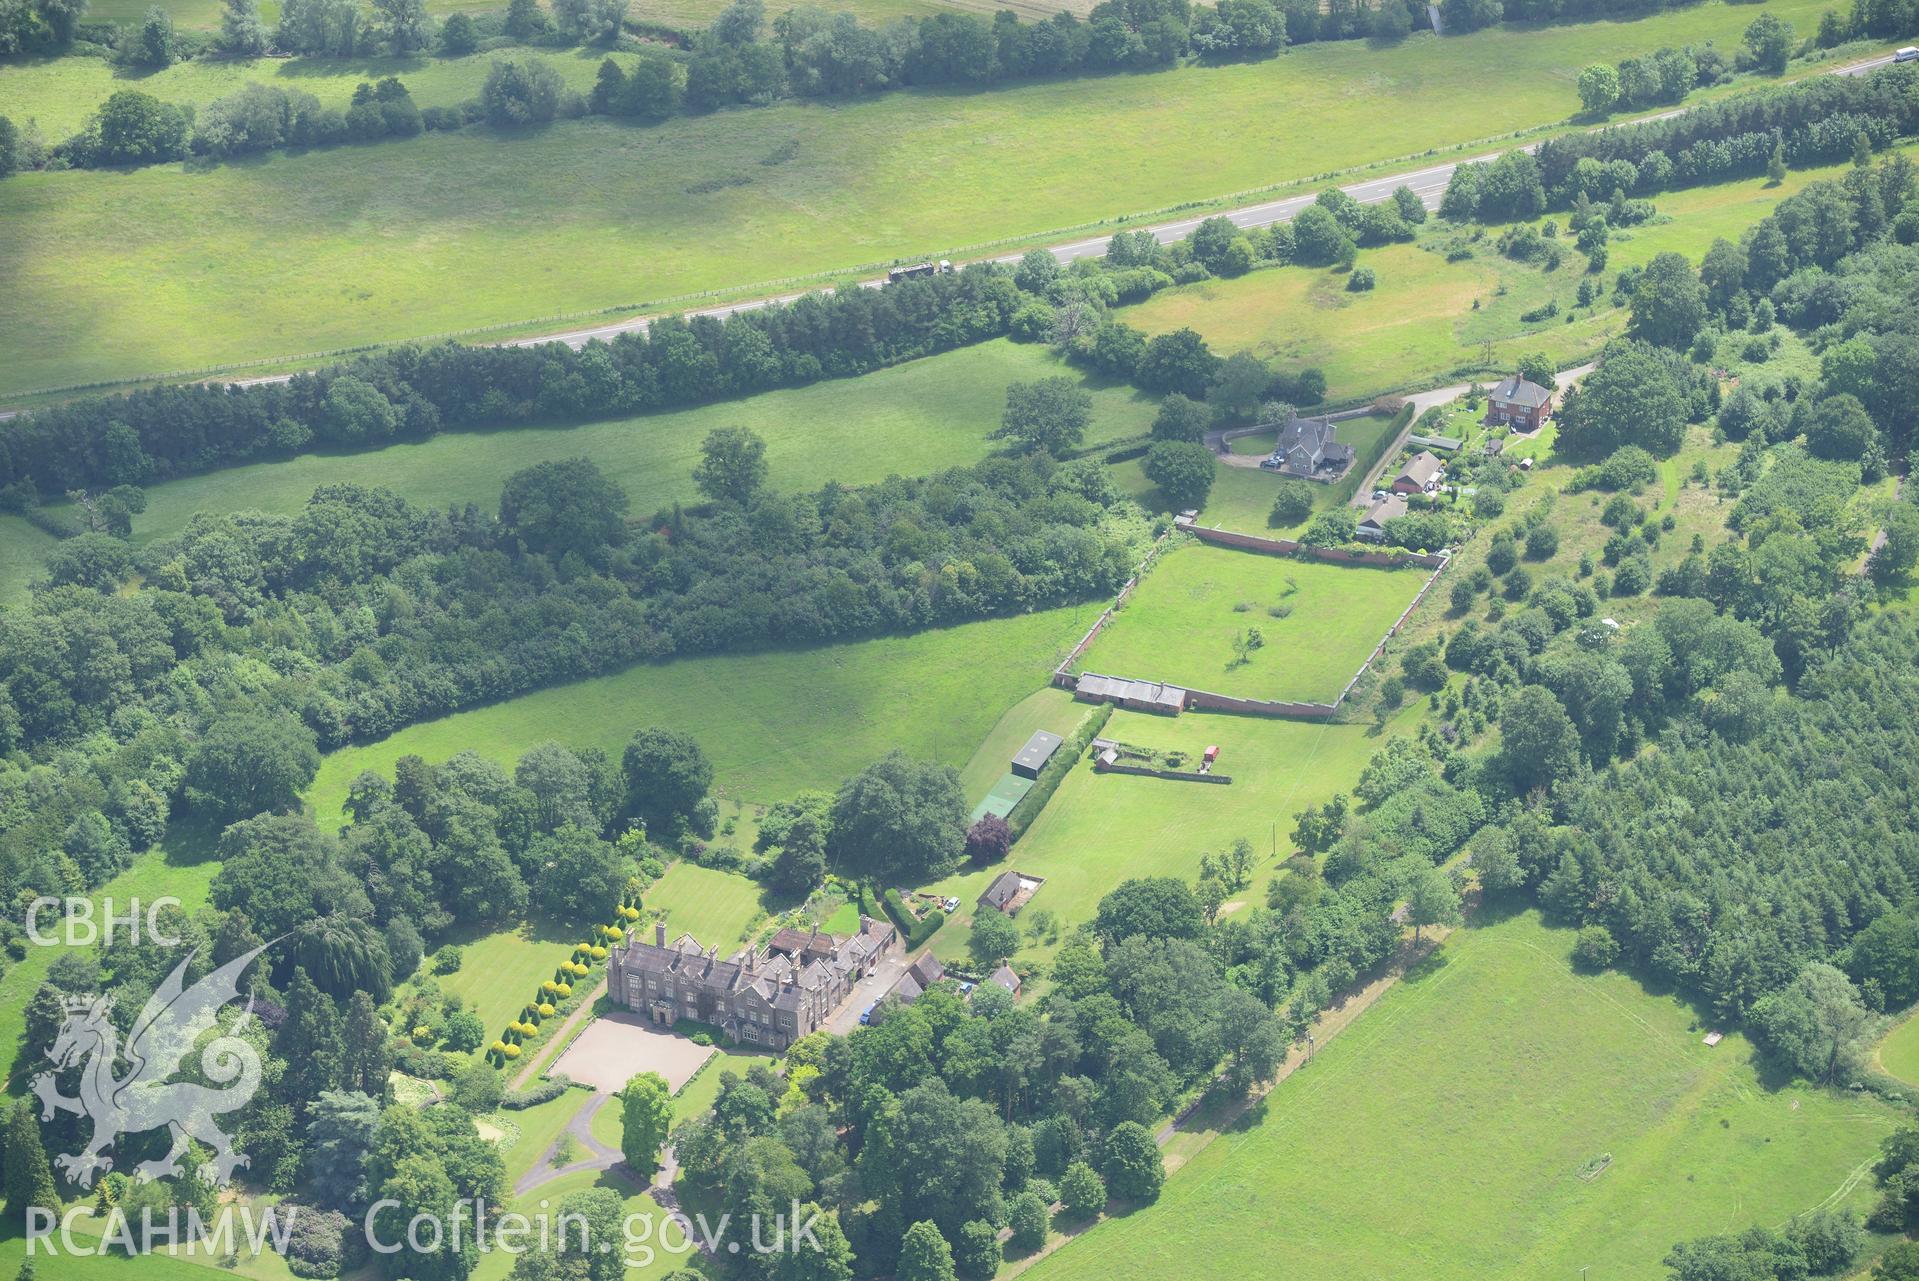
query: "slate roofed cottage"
1306, 447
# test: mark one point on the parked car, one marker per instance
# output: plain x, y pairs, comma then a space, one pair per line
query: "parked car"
1907, 54
949, 904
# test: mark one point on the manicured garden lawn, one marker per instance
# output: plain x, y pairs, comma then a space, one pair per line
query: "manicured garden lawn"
1899, 1052
122, 274
500, 972
533, 1129
714, 907
1101, 829
694, 1099
773, 723
1180, 624
1443, 1136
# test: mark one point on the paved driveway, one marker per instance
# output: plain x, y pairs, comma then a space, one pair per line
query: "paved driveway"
868, 990
618, 1045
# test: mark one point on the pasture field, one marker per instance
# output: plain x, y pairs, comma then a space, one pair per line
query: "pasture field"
1427, 318
204, 15
1319, 622
1101, 829
112, 274
1899, 1052
715, 907
23, 549
1443, 1135
911, 420
60, 94
773, 723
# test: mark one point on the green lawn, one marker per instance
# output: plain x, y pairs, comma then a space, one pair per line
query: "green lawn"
532, 1130
645, 1258
773, 723
694, 1099
120, 274
1101, 829
714, 907
1442, 1136
1180, 624
500, 972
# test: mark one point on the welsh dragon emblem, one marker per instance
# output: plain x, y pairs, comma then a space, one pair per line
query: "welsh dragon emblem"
167, 1031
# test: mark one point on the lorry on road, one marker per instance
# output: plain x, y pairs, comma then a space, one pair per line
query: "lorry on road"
911, 270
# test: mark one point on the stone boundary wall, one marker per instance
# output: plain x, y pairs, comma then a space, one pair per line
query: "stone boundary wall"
1207, 700
1062, 674
1147, 771
1288, 547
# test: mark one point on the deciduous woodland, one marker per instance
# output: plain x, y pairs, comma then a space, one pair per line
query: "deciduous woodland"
544, 732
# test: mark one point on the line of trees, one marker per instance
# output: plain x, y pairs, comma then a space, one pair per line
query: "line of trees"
99, 443
1815, 122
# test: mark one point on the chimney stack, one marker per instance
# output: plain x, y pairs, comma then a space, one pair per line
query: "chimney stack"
659, 933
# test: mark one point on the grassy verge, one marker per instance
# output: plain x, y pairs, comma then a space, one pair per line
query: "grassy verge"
1445, 1134
111, 273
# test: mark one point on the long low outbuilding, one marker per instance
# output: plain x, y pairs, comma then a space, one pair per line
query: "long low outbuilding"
1138, 696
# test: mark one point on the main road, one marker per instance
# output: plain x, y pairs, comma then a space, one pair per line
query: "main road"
1428, 184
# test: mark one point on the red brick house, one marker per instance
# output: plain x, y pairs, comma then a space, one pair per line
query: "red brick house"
1518, 404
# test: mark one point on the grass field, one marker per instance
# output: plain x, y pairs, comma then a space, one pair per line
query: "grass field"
1899, 1052
646, 1261
1442, 1137
114, 274
1428, 318
1100, 829
772, 723
717, 908
60, 94
1180, 624
911, 420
